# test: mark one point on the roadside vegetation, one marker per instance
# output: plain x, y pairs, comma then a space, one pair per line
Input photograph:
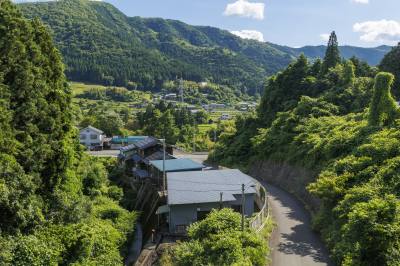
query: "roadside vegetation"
338, 119
218, 240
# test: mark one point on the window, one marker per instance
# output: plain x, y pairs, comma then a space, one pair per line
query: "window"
201, 215
92, 136
181, 229
83, 136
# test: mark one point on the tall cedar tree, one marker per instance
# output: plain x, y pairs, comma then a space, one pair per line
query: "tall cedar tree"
391, 63
332, 55
36, 146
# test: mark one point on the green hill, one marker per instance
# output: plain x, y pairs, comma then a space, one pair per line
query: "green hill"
102, 45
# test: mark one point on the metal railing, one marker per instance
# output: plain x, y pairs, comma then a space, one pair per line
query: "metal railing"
257, 222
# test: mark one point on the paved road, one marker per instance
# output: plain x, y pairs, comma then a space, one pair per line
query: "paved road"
293, 243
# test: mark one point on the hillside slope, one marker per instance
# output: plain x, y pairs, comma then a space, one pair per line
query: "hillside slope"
102, 45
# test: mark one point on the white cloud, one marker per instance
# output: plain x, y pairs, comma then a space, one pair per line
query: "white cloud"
382, 31
249, 34
325, 36
360, 1
243, 8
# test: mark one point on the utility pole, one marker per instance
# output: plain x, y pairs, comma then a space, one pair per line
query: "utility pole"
243, 202
194, 142
164, 176
220, 200
215, 135
181, 87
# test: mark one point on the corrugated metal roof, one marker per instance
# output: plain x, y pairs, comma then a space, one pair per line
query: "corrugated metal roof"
177, 165
129, 139
205, 186
92, 128
146, 143
158, 155
140, 173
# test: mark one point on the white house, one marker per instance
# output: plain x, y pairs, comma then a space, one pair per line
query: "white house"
92, 137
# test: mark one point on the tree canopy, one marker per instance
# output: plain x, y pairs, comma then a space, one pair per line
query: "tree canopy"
57, 205
342, 128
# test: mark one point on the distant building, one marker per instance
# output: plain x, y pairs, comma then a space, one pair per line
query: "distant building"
192, 195
214, 106
225, 117
170, 96
92, 137
118, 142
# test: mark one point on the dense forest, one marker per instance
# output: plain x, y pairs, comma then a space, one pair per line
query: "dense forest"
102, 45
338, 119
57, 205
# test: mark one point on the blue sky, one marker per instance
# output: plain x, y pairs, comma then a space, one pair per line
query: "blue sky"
288, 22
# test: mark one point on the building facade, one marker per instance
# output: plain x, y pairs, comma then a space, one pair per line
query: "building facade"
92, 137
192, 195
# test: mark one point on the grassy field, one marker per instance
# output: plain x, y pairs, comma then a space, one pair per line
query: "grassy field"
80, 88
204, 128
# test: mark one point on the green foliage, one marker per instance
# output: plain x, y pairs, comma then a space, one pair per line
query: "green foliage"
332, 55
218, 240
353, 151
103, 46
53, 198
390, 63
177, 124
383, 109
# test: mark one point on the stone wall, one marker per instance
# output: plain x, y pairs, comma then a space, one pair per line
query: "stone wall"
291, 178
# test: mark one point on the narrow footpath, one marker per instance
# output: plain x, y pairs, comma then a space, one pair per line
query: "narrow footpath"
293, 243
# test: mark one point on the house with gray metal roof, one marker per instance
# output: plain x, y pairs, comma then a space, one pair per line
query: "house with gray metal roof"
173, 165
192, 195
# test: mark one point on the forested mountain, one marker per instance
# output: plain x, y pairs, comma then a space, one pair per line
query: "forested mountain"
329, 133
370, 55
102, 45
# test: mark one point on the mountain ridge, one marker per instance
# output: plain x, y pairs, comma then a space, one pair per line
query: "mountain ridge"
101, 44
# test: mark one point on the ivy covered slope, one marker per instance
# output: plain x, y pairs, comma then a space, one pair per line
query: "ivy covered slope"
102, 45
56, 205
339, 121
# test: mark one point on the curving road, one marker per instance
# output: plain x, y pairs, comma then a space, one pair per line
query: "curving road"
293, 243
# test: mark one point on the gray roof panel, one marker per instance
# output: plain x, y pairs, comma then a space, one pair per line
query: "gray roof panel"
175, 165
205, 186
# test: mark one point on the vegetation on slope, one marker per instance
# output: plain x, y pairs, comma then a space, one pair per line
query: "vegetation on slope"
102, 45
345, 128
57, 205
218, 240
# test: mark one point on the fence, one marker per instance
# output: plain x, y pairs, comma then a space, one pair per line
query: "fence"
258, 221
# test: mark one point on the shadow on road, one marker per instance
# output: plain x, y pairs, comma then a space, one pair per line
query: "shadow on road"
296, 235
296, 244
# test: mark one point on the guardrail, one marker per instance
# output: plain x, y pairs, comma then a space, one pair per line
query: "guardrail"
257, 222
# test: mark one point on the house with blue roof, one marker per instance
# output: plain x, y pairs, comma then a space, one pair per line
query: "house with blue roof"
192, 195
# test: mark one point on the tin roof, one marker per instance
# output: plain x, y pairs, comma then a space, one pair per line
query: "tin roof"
206, 186
176, 165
